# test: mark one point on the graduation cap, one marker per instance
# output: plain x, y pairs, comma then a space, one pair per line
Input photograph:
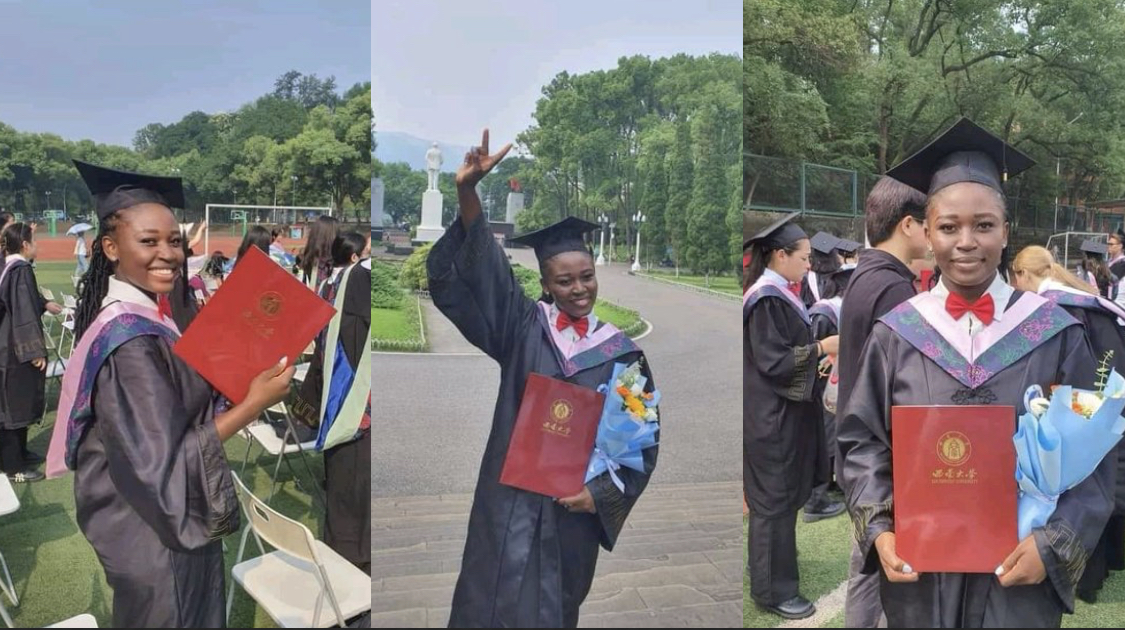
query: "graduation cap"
966, 152
1094, 247
779, 234
825, 243
103, 182
564, 236
848, 246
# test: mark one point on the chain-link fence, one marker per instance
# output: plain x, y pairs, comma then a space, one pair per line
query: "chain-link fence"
781, 185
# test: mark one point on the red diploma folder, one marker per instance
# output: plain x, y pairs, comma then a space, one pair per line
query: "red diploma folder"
258, 315
954, 487
553, 437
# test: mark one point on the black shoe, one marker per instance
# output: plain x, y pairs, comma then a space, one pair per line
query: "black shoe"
796, 608
27, 476
1090, 597
31, 458
828, 510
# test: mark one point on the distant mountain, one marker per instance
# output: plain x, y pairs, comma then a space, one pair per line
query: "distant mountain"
396, 146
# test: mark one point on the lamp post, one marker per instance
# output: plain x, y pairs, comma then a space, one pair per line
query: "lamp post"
611, 245
601, 248
48, 200
293, 201
638, 219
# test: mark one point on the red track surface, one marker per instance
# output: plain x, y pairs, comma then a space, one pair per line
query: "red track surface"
61, 248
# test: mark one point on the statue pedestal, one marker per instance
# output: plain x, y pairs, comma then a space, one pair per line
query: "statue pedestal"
515, 205
430, 229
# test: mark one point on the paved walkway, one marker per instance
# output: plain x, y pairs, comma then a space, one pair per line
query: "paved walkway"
678, 562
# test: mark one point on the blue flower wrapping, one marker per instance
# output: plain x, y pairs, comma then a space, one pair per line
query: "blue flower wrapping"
1060, 449
621, 438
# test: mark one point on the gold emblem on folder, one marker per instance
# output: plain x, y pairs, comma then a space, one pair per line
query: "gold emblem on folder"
270, 303
954, 448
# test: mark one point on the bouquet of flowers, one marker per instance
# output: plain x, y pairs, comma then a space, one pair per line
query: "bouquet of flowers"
1061, 440
628, 424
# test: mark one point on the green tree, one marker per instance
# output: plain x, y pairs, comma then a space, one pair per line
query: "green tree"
679, 193
707, 237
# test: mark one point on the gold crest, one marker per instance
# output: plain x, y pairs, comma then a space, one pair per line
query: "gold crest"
954, 448
561, 411
270, 304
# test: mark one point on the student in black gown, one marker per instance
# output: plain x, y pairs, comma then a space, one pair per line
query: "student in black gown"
825, 318
529, 559
1115, 245
894, 216
152, 486
1034, 269
23, 353
823, 262
971, 340
782, 427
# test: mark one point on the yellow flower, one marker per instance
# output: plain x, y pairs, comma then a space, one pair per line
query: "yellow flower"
635, 406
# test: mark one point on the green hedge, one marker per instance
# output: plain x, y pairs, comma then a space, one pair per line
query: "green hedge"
385, 290
413, 275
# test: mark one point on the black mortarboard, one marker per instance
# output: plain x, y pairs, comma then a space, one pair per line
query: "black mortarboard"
103, 182
564, 236
1094, 247
825, 243
966, 152
848, 246
779, 234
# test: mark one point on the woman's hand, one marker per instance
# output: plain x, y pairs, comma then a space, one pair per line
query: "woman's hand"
478, 163
270, 387
895, 567
40, 364
831, 345
581, 502
53, 308
1023, 566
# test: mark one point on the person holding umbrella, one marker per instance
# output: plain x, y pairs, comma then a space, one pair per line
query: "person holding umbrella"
80, 252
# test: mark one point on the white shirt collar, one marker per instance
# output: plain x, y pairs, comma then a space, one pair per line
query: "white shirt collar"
119, 291
775, 277
14, 257
569, 332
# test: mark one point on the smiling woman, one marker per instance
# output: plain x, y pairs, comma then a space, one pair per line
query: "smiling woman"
152, 480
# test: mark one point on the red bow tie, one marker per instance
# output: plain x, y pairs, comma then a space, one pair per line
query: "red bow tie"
581, 325
164, 306
984, 308
795, 288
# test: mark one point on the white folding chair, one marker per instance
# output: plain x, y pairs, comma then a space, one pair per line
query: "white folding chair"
79, 621
47, 294
9, 503
301, 372
291, 583
279, 447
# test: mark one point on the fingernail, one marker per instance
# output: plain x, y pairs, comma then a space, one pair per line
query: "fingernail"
283, 361
1000, 570
906, 568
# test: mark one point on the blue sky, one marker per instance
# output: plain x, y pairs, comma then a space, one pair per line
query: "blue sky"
102, 70
444, 69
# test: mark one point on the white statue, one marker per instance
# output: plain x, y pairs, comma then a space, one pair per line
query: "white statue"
433, 165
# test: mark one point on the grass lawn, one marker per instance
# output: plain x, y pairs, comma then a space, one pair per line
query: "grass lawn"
823, 549
628, 321
391, 327
723, 284
55, 571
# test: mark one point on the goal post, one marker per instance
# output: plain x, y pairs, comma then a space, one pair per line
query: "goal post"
236, 217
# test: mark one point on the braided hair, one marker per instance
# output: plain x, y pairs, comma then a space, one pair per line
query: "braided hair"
95, 282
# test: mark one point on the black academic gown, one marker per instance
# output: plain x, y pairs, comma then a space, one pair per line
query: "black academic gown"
183, 303
1100, 319
824, 325
528, 562
22, 385
347, 466
894, 372
153, 490
782, 437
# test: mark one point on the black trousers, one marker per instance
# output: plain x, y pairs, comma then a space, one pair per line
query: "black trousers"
774, 578
13, 445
